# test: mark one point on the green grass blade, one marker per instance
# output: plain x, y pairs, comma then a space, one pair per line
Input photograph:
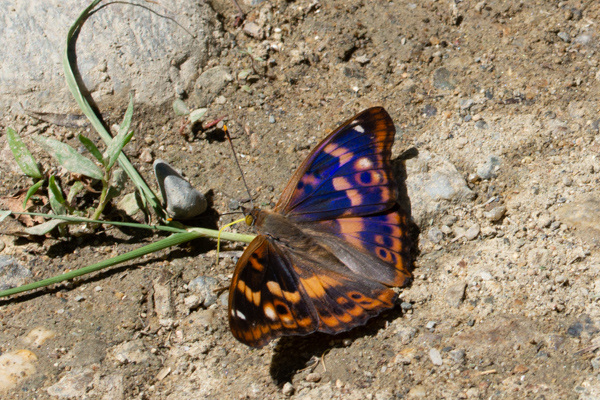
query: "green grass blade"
22, 154
91, 147
69, 158
126, 124
32, 190
76, 188
146, 193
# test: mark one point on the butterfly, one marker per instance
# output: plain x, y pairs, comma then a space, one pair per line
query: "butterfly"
326, 256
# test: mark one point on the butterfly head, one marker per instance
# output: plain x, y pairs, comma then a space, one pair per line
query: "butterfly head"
251, 215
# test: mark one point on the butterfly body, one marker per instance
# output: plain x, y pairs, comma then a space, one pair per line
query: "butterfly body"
325, 257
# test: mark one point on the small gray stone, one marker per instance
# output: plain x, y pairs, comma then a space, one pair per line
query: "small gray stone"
12, 274
472, 232
129, 204
313, 377
495, 214
481, 124
443, 79
288, 389
435, 235
182, 200
455, 294
134, 352
486, 276
205, 287
406, 335
435, 356
271, 119
431, 325
564, 36
253, 30
146, 156
487, 169
73, 385
458, 356
405, 305
465, 104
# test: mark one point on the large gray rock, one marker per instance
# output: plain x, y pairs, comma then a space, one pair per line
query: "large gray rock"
151, 49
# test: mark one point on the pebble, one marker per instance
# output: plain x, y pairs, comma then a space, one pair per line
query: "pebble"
435, 235
129, 204
146, 156
313, 377
288, 389
472, 232
405, 306
544, 220
485, 275
431, 325
443, 79
406, 335
204, 287
163, 305
182, 200
455, 294
16, 367
38, 336
133, 351
12, 274
417, 392
435, 356
488, 168
253, 30
495, 214
564, 36
192, 302
73, 385
271, 119
458, 356
465, 104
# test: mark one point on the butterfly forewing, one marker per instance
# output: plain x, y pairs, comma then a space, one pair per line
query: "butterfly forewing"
348, 174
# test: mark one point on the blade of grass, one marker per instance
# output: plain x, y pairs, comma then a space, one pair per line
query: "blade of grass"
69, 158
22, 154
4, 214
32, 190
172, 240
201, 232
146, 193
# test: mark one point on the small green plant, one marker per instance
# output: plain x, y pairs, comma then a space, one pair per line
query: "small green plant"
103, 170
82, 167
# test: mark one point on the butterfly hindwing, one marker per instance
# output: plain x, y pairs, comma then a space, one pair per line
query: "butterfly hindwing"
265, 297
275, 292
347, 174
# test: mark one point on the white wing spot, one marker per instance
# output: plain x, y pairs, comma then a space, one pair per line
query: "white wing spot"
239, 314
270, 312
364, 163
359, 129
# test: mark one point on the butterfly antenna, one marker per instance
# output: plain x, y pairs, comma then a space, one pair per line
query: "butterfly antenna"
238, 163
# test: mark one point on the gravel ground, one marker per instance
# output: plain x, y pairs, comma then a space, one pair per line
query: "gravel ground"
496, 109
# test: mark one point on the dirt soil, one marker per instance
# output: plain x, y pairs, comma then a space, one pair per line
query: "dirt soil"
511, 312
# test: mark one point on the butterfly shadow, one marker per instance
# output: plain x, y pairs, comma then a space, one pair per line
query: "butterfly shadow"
294, 354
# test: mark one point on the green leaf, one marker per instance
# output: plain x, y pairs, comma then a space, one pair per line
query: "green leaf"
22, 154
91, 147
55, 196
4, 214
180, 108
69, 158
32, 190
76, 188
43, 228
197, 114
115, 147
